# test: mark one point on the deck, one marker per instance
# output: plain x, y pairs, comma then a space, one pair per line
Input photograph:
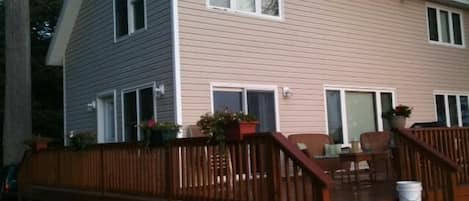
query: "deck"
263, 167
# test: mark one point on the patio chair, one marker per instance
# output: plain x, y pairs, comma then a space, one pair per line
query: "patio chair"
377, 142
314, 144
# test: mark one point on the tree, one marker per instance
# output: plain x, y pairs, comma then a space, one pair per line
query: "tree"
17, 126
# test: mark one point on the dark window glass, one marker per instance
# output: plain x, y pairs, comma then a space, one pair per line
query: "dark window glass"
139, 13
386, 106
464, 110
261, 104
130, 116
146, 104
270, 7
227, 100
453, 111
432, 24
457, 29
121, 17
334, 116
440, 109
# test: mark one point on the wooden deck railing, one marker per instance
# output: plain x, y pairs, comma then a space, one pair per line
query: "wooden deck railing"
263, 167
420, 162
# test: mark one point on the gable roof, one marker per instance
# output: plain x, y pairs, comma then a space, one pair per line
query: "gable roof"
64, 28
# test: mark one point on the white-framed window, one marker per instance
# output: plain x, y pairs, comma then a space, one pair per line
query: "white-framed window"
445, 25
351, 111
258, 100
452, 108
129, 17
267, 8
107, 117
138, 105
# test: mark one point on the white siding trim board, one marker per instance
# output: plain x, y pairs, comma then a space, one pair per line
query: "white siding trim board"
176, 63
100, 129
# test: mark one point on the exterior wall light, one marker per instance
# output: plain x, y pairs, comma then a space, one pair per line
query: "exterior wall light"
159, 90
91, 106
287, 92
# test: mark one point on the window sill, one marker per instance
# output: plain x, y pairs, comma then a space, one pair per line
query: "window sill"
118, 39
246, 14
446, 44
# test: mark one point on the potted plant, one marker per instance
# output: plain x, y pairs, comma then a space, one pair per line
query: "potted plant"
159, 133
398, 116
225, 125
38, 143
81, 141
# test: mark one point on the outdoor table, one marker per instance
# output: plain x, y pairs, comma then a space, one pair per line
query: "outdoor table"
358, 157
329, 163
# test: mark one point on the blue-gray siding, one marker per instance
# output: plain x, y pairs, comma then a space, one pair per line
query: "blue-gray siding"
95, 64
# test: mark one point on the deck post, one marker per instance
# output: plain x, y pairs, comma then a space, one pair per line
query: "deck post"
272, 170
452, 186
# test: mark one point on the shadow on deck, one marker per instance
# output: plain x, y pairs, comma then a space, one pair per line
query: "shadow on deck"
380, 190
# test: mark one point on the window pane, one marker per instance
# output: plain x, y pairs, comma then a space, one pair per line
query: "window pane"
457, 28
361, 113
432, 24
146, 104
386, 106
130, 116
270, 7
440, 109
261, 104
453, 111
444, 20
464, 110
139, 13
227, 100
121, 17
246, 5
220, 3
334, 116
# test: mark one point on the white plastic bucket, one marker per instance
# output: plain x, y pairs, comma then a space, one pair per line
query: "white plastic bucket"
409, 190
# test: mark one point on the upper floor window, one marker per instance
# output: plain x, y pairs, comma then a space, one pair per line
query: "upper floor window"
257, 7
129, 16
445, 26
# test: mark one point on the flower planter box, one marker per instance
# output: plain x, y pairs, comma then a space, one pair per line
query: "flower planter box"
161, 138
399, 122
238, 131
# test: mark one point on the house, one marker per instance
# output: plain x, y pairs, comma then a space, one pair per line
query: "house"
300, 66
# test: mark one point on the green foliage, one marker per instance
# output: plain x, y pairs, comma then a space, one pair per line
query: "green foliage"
400, 110
81, 141
46, 80
215, 125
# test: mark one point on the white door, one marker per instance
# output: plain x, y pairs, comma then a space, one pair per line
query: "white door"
106, 120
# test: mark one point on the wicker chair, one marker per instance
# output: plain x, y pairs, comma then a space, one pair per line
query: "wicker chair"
377, 142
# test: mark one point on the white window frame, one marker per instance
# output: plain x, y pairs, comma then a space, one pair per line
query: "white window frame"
343, 108
130, 20
257, 13
450, 11
244, 88
99, 114
137, 89
458, 94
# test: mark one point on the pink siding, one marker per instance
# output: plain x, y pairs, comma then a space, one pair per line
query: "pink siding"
354, 43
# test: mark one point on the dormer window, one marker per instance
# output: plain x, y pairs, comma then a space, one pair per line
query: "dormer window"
270, 8
445, 26
129, 16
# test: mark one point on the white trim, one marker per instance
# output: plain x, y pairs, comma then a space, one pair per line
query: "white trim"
220, 86
377, 91
99, 113
137, 89
450, 10
257, 13
63, 31
130, 20
177, 64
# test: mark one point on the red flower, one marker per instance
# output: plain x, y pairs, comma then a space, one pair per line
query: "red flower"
151, 123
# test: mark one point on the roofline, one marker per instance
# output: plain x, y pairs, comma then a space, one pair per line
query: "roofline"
464, 4
64, 28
